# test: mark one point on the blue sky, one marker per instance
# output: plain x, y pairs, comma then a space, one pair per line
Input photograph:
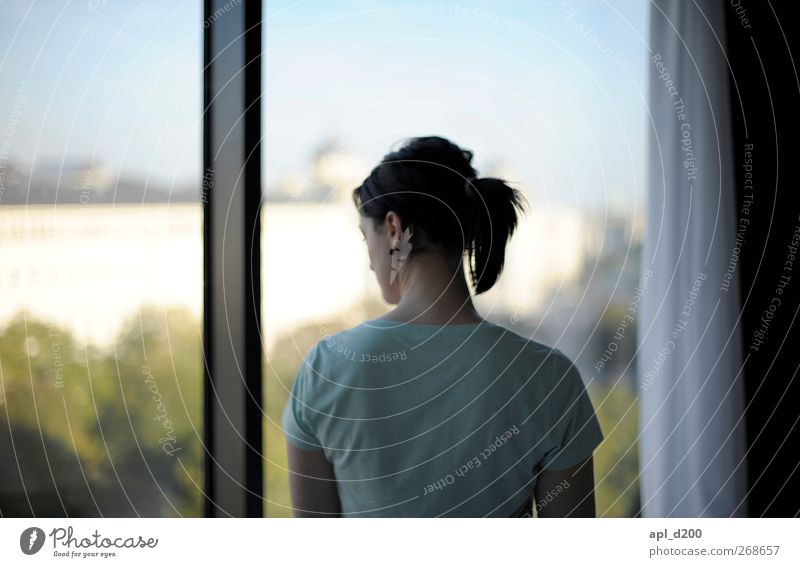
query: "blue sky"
553, 90
550, 89
113, 82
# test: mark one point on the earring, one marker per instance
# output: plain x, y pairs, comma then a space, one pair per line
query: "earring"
393, 250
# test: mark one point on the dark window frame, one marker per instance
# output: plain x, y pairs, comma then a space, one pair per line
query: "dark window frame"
233, 410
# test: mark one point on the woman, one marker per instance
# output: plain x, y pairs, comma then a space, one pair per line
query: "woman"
430, 410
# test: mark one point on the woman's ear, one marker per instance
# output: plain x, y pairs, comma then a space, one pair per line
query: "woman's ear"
394, 227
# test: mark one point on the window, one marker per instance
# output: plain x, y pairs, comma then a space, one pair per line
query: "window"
549, 95
125, 132
101, 246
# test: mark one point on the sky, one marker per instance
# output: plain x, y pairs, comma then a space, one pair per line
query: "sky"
551, 92
115, 83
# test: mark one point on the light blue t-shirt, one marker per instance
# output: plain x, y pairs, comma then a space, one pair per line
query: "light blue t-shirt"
429, 420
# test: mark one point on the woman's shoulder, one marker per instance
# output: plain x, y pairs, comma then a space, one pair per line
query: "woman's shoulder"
373, 335
343, 344
529, 352
515, 336
377, 332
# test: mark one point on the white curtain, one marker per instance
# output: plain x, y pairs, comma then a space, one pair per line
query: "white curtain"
689, 364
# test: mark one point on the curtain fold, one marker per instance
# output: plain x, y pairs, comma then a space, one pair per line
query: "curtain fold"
692, 446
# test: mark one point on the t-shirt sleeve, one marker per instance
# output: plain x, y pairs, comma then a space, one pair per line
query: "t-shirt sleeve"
296, 425
575, 431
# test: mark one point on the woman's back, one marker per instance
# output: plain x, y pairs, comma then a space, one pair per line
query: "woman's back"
430, 420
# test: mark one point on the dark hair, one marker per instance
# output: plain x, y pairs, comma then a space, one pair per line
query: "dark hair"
432, 185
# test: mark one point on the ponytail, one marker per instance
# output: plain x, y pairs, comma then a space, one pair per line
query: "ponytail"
495, 205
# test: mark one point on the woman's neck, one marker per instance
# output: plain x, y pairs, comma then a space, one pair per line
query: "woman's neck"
434, 292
